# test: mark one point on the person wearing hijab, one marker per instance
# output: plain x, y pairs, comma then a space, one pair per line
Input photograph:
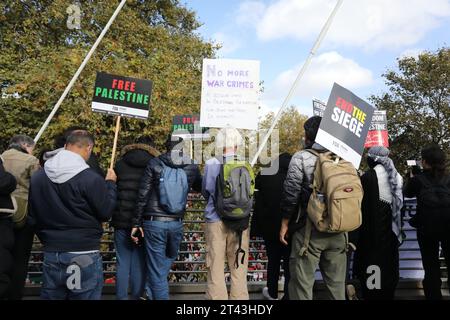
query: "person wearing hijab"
380, 234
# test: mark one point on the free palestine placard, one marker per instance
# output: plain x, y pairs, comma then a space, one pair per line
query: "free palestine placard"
123, 96
230, 90
345, 124
378, 132
188, 127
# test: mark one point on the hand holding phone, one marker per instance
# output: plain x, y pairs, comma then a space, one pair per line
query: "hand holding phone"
137, 235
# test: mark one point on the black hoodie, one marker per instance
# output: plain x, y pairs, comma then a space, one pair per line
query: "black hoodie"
129, 170
148, 199
266, 221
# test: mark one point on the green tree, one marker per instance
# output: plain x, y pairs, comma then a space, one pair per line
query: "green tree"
417, 104
154, 40
290, 128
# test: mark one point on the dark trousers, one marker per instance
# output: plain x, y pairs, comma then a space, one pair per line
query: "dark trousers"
130, 266
429, 249
23, 242
6, 258
276, 251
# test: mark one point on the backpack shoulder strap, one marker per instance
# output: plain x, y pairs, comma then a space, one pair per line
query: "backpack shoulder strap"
239, 250
308, 230
313, 152
317, 170
161, 162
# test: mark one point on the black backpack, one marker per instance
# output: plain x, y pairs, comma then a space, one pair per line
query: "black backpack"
434, 201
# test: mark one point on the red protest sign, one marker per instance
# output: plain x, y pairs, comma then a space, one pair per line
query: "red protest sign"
378, 133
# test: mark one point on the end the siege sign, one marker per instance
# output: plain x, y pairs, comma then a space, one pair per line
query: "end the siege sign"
345, 125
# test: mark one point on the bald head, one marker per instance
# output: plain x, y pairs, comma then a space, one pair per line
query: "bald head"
80, 142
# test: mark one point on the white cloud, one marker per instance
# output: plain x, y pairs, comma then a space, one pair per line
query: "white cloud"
229, 43
264, 109
414, 53
371, 24
250, 13
233, 35
318, 80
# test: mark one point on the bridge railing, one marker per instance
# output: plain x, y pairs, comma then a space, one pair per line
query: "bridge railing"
190, 266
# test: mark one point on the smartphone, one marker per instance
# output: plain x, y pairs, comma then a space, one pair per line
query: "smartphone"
138, 235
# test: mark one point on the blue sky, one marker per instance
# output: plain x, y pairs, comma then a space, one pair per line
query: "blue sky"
365, 39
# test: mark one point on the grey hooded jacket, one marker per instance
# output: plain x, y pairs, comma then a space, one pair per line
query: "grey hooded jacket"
296, 185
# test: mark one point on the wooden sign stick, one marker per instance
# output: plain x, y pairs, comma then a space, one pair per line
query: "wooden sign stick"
116, 137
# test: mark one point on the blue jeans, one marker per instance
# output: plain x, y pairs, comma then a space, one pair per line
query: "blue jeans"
130, 266
68, 276
162, 241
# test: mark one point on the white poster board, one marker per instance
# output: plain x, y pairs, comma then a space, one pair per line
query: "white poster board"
230, 90
319, 107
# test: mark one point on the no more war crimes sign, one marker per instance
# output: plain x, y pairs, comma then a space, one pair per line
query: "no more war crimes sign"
230, 94
123, 96
345, 124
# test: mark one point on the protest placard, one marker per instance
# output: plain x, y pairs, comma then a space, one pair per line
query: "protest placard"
230, 90
345, 124
188, 127
123, 96
318, 107
378, 132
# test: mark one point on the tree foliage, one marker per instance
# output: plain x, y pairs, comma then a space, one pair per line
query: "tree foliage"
290, 128
417, 104
154, 40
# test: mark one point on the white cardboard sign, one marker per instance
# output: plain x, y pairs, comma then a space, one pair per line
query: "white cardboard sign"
230, 90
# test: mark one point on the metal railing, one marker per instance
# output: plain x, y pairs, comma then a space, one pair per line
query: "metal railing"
190, 266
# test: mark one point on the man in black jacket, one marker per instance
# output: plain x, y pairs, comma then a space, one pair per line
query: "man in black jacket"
155, 219
7, 186
68, 202
266, 223
130, 268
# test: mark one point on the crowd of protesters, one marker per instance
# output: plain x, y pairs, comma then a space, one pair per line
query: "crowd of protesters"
64, 197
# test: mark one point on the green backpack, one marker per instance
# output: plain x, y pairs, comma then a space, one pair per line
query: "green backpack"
233, 201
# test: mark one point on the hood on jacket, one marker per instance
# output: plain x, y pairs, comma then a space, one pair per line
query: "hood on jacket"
50, 154
64, 166
138, 155
175, 162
